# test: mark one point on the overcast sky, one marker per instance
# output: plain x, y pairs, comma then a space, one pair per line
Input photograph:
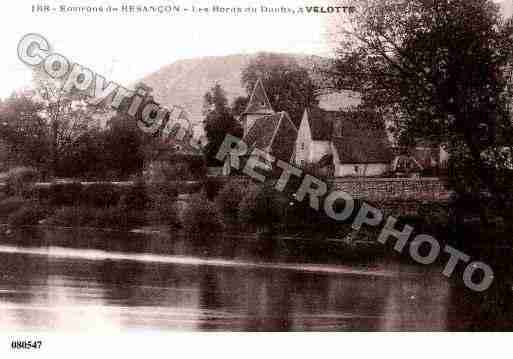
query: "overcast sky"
127, 47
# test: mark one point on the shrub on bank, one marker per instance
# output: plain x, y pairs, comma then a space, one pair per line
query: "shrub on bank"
71, 216
116, 217
159, 203
263, 207
135, 197
230, 197
28, 215
100, 195
20, 180
202, 217
162, 211
10, 205
105, 217
212, 186
170, 190
61, 194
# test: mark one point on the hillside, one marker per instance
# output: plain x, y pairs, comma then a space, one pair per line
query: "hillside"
185, 82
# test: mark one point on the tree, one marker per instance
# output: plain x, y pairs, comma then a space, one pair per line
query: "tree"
23, 131
67, 113
219, 122
288, 85
124, 146
239, 105
436, 67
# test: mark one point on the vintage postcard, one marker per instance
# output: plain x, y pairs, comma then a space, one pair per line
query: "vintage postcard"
255, 166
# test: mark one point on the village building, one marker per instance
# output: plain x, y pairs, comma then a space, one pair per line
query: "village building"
269, 131
352, 142
343, 143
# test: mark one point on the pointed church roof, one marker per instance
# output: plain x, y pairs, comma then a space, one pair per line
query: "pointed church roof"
275, 134
259, 102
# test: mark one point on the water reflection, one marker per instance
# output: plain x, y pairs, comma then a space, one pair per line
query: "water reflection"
188, 287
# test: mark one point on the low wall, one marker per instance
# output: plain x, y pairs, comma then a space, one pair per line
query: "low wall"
393, 188
431, 189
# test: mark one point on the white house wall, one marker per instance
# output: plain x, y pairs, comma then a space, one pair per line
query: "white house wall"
360, 169
303, 142
308, 150
318, 150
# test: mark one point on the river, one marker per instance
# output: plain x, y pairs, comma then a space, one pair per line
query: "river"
65, 280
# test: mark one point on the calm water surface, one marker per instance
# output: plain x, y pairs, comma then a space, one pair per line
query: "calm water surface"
64, 280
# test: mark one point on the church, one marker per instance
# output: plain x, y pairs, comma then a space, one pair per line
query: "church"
266, 129
337, 143
352, 142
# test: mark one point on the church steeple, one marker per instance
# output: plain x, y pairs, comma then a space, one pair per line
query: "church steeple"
258, 106
259, 102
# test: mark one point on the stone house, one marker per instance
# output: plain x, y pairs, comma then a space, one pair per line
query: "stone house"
343, 143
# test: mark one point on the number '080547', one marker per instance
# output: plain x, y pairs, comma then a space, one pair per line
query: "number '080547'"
26, 344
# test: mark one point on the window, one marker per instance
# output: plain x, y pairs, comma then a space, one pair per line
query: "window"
302, 146
356, 169
302, 163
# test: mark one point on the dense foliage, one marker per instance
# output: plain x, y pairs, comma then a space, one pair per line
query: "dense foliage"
288, 85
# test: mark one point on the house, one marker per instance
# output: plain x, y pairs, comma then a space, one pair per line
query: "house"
343, 143
265, 129
405, 165
424, 159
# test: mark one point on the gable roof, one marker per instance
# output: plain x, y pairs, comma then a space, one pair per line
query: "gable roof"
361, 138
406, 163
259, 102
275, 134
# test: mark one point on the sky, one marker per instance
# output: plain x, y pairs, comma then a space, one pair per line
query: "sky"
125, 48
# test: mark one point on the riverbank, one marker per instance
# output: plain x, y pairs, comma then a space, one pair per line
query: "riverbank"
162, 240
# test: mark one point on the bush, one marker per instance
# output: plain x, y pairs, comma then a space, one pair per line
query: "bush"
100, 195
162, 171
162, 211
72, 216
28, 215
262, 206
61, 194
212, 187
116, 217
202, 218
41, 194
20, 180
10, 205
434, 214
106, 217
169, 190
229, 198
135, 197
189, 187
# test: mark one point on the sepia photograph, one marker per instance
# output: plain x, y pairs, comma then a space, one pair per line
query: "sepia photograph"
242, 166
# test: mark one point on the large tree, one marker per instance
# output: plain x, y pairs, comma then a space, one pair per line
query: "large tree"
437, 68
125, 146
67, 113
288, 85
23, 131
219, 121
